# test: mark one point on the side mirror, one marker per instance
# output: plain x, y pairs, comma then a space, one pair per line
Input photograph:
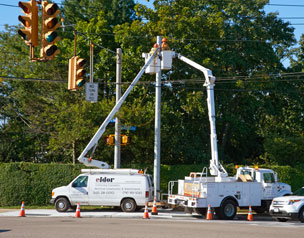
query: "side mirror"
276, 177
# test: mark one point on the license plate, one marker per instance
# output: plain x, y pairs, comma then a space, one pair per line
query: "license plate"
276, 209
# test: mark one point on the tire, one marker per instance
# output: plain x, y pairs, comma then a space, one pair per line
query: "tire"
227, 210
301, 215
281, 219
128, 205
62, 204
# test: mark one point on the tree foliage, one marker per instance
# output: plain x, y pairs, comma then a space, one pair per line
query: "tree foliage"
259, 109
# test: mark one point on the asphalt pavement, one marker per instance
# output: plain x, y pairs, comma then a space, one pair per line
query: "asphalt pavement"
112, 213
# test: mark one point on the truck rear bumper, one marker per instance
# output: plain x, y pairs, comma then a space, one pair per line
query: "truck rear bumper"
185, 201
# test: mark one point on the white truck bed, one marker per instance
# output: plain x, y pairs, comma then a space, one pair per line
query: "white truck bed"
199, 194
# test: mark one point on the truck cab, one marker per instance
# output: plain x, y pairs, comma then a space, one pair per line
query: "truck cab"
271, 187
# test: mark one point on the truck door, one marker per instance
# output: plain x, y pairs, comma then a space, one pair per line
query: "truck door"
79, 190
151, 190
269, 186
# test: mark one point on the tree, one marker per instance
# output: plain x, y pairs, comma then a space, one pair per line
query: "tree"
237, 40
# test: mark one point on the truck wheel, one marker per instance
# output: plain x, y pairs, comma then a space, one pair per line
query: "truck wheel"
128, 205
227, 211
62, 205
301, 215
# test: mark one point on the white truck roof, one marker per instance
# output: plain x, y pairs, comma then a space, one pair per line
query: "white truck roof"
112, 171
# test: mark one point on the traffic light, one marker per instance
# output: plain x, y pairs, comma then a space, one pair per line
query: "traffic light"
76, 73
110, 140
30, 22
49, 35
79, 71
125, 140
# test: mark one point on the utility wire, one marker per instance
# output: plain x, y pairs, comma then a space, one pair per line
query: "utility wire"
285, 5
73, 5
8, 5
183, 81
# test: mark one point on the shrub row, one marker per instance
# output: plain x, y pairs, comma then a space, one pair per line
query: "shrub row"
33, 183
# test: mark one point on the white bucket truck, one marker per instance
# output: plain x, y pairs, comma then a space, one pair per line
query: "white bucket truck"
249, 187
129, 189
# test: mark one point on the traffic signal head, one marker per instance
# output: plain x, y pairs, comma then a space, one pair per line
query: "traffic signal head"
49, 25
79, 71
76, 73
30, 22
125, 140
110, 140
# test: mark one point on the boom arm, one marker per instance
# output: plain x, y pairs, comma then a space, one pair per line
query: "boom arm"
215, 166
93, 143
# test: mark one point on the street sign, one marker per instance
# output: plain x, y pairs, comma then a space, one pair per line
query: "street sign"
129, 128
91, 92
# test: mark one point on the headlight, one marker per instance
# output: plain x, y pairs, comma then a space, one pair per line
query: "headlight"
293, 201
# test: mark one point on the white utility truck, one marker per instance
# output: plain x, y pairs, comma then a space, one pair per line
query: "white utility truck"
249, 187
129, 189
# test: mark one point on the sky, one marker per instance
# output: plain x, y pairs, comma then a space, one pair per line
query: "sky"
289, 10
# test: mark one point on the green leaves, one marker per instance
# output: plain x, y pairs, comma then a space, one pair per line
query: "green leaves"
256, 115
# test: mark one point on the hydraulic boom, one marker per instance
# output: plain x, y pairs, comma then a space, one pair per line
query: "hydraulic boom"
88, 161
215, 166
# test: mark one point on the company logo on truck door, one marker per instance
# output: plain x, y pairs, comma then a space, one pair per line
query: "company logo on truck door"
104, 180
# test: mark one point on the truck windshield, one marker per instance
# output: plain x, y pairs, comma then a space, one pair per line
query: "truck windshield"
268, 178
299, 192
245, 172
81, 181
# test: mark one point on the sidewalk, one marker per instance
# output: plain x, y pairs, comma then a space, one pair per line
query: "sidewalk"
162, 213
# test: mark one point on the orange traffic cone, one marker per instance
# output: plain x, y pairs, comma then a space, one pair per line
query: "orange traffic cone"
250, 217
146, 213
154, 208
209, 213
77, 214
22, 211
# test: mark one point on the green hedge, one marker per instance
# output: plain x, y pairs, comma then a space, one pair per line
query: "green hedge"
33, 183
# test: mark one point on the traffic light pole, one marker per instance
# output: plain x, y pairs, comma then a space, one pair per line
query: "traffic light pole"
75, 42
91, 62
157, 130
117, 148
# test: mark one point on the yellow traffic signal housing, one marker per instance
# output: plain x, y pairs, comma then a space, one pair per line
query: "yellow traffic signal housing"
76, 73
30, 22
48, 30
125, 140
110, 140
71, 82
